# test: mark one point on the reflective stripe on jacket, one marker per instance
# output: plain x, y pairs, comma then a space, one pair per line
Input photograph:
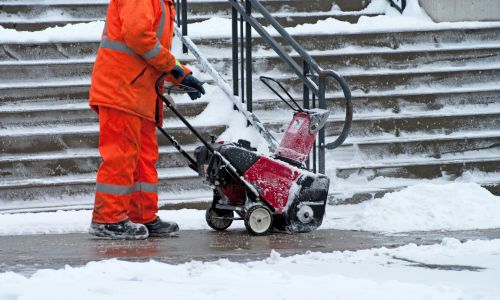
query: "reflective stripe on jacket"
134, 52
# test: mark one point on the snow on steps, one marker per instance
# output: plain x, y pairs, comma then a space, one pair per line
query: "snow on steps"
381, 134
31, 16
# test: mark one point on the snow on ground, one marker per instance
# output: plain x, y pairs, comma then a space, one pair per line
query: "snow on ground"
407, 272
421, 207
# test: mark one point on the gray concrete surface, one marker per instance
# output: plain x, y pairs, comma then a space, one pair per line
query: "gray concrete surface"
462, 10
26, 254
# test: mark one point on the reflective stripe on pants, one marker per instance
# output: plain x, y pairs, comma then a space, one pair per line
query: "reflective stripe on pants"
127, 179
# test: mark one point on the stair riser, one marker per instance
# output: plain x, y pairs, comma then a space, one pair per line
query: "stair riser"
98, 11
309, 42
398, 82
289, 21
423, 171
45, 72
395, 104
368, 152
72, 166
357, 82
79, 91
65, 141
392, 61
76, 116
396, 127
337, 62
426, 148
436, 124
392, 40
10, 52
66, 193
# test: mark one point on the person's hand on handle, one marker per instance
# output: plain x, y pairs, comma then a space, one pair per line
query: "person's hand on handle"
193, 82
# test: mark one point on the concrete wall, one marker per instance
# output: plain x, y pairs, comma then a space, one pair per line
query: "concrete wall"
462, 10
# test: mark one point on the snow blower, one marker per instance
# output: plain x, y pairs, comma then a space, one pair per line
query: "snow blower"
266, 192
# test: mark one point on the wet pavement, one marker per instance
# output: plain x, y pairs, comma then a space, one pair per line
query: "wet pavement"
27, 253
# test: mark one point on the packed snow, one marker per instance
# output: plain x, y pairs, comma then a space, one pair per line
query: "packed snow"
421, 207
407, 272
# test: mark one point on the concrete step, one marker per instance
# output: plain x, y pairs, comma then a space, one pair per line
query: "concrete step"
419, 100
366, 82
48, 50
78, 161
80, 188
397, 80
73, 162
379, 39
421, 169
82, 136
395, 125
220, 47
382, 59
424, 146
358, 60
285, 19
95, 10
50, 111
54, 112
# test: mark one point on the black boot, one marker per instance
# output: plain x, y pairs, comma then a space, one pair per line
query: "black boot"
159, 228
125, 230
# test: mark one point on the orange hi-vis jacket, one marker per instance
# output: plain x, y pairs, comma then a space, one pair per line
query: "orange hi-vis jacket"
134, 52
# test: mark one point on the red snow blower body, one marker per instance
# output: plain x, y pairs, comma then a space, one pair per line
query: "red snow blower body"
266, 191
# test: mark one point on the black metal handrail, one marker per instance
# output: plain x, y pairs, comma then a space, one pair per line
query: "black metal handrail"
311, 74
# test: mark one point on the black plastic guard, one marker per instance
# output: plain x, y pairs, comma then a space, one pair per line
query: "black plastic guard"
311, 191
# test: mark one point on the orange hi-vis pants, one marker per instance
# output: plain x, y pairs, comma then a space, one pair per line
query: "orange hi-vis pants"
127, 180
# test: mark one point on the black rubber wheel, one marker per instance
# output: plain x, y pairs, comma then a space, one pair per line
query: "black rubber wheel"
219, 219
259, 219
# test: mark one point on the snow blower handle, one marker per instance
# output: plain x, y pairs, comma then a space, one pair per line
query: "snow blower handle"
158, 87
192, 162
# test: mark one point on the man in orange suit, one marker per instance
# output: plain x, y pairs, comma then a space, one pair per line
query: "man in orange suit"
134, 52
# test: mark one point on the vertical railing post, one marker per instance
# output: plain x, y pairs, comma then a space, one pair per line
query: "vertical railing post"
321, 135
234, 19
178, 10
316, 141
248, 57
306, 101
242, 59
184, 24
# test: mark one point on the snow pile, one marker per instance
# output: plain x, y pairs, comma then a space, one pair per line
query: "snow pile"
367, 274
422, 207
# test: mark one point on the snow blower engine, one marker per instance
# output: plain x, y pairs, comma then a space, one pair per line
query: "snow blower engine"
267, 192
